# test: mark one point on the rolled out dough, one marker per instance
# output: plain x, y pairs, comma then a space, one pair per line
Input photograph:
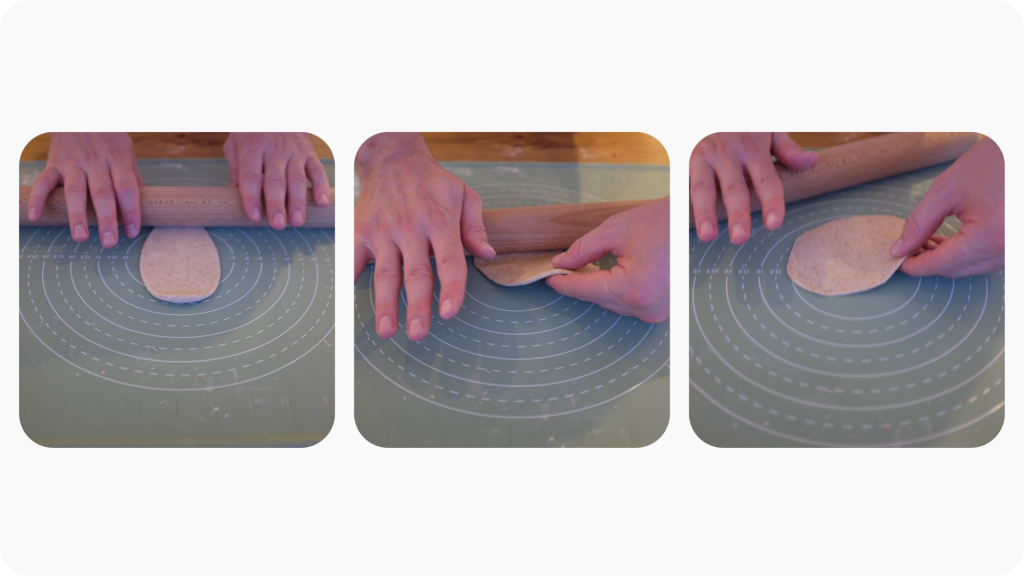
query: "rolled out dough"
846, 256
180, 264
521, 268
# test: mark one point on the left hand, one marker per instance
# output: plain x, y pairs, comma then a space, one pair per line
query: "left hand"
271, 165
639, 284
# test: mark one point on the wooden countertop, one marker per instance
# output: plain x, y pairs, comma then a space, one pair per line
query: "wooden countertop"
599, 147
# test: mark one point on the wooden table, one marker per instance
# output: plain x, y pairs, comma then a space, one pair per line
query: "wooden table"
599, 147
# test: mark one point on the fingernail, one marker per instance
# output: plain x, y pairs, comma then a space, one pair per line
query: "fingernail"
738, 232
488, 247
895, 250
108, 239
133, 230
558, 258
255, 214
80, 233
297, 217
386, 325
416, 328
447, 308
707, 231
323, 198
772, 220
279, 220
33, 213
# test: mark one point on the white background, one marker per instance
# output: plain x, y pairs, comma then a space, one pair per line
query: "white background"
347, 70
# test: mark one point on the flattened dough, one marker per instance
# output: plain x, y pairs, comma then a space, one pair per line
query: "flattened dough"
521, 268
846, 256
180, 264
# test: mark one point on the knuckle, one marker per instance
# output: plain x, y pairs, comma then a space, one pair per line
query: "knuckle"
274, 182
450, 261
440, 217
384, 273
418, 273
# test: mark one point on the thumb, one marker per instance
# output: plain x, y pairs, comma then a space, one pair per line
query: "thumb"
594, 245
790, 154
474, 235
924, 221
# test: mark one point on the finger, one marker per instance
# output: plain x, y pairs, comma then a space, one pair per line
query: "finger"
75, 196
318, 176
101, 192
231, 154
250, 181
768, 188
47, 180
451, 271
419, 288
592, 287
592, 246
474, 235
790, 154
363, 256
736, 197
126, 190
953, 258
924, 220
703, 194
296, 190
275, 185
387, 281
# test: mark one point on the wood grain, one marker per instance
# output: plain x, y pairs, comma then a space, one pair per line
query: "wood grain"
547, 227
177, 206
166, 145
863, 161
584, 147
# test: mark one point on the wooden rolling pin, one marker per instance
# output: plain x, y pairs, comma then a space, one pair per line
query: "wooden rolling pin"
863, 161
547, 227
177, 206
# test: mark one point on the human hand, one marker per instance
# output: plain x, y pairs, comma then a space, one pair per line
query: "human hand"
409, 205
972, 188
732, 158
276, 163
97, 165
639, 284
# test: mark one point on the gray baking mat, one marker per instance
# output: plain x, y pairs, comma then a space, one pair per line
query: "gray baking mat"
914, 362
519, 366
103, 363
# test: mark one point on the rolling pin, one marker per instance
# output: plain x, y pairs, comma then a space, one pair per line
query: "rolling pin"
863, 161
177, 206
547, 227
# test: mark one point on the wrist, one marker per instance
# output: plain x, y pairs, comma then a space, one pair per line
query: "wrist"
390, 148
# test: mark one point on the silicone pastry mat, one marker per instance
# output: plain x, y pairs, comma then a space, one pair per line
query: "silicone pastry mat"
914, 362
103, 363
519, 366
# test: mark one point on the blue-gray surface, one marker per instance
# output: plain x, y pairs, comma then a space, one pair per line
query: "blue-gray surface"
519, 366
103, 363
914, 362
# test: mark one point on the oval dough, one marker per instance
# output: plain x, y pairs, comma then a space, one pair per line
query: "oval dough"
521, 268
180, 264
846, 256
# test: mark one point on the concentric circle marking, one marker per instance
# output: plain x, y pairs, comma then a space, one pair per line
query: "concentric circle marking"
515, 352
913, 361
86, 305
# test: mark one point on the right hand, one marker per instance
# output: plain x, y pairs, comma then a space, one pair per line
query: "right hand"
972, 188
410, 204
99, 165
731, 158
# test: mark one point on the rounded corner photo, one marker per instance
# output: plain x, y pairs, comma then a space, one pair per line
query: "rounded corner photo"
481, 313
847, 289
176, 290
